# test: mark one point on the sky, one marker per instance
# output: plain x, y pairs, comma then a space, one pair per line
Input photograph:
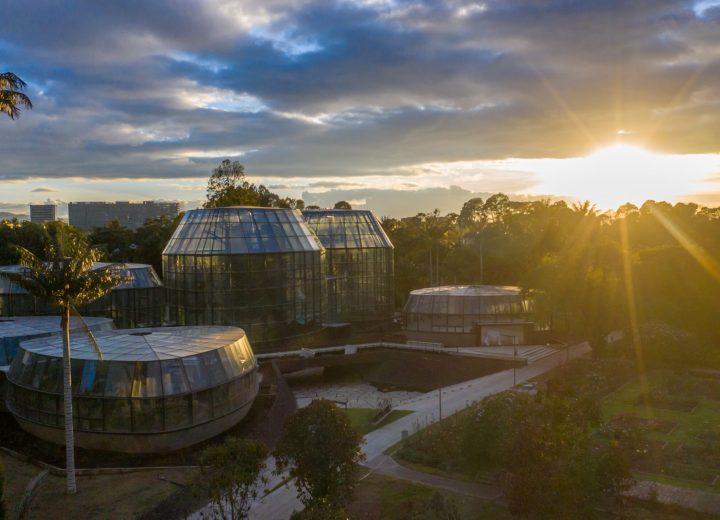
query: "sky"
397, 106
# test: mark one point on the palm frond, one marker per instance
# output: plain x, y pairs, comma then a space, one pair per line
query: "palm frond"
88, 333
11, 95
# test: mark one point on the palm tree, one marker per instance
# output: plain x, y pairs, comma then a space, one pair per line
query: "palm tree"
66, 280
11, 96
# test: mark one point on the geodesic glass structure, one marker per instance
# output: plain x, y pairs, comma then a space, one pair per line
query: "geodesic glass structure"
154, 390
360, 268
257, 268
468, 315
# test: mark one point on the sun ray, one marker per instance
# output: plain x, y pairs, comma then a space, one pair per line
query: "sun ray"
699, 253
633, 316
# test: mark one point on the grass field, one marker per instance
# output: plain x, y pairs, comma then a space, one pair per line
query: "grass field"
705, 417
361, 419
380, 497
678, 450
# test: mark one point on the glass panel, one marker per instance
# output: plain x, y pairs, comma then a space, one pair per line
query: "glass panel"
117, 415
202, 406
178, 412
119, 379
196, 372
173, 377
148, 380
147, 415
213, 367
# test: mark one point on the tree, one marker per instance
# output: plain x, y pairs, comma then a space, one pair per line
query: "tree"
66, 280
321, 450
343, 204
228, 186
231, 473
320, 511
11, 95
557, 465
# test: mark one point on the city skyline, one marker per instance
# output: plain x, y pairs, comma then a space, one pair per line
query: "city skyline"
392, 105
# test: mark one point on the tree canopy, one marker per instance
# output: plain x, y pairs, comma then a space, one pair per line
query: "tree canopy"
321, 450
228, 186
231, 476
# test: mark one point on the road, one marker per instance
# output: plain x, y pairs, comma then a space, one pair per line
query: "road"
280, 504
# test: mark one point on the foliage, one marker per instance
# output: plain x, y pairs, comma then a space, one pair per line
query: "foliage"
343, 204
12, 96
321, 450
584, 269
144, 245
231, 473
323, 510
556, 434
228, 186
439, 507
31, 236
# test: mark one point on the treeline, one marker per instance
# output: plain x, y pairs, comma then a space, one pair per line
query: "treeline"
590, 272
652, 269
117, 243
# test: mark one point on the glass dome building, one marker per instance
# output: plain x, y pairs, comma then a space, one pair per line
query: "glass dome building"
469, 315
17, 329
360, 281
155, 390
139, 302
15, 301
261, 269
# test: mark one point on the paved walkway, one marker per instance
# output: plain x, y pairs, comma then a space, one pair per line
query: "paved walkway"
694, 499
385, 465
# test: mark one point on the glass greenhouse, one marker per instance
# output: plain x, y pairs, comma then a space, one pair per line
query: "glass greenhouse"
15, 330
257, 268
139, 302
469, 315
154, 390
359, 264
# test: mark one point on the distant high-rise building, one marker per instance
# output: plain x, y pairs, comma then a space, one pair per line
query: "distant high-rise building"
87, 215
41, 213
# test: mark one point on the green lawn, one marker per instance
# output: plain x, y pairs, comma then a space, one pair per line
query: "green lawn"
361, 419
704, 418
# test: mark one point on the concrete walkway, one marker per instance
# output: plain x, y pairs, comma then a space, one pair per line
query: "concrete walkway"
386, 465
695, 499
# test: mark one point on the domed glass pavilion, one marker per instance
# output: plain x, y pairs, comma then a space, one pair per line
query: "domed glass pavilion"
17, 329
138, 302
469, 315
258, 268
154, 390
359, 264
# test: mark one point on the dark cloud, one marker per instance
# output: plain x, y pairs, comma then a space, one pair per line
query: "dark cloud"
43, 190
167, 89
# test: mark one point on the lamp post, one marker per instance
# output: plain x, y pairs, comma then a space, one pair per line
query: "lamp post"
440, 404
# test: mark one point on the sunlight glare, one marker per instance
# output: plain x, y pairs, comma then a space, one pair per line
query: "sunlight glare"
623, 173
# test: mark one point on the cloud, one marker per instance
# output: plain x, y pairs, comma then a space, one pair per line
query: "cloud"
346, 89
43, 190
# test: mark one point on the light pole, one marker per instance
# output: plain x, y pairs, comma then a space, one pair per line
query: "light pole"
440, 404
514, 364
